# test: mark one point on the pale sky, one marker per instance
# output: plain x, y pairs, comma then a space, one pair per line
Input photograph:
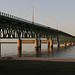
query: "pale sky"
52, 13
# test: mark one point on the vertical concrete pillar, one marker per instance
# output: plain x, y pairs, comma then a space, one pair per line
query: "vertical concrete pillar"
69, 43
36, 47
58, 44
19, 47
65, 44
51, 46
48, 44
72, 43
51, 43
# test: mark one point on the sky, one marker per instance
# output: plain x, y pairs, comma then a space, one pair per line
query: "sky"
58, 14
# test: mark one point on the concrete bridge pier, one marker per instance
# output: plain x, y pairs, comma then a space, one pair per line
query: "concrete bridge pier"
65, 44
19, 48
51, 43
51, 46
72, 43
69, 43
36, 47
58, 44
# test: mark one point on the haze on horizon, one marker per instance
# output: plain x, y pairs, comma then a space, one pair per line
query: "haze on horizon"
53, 13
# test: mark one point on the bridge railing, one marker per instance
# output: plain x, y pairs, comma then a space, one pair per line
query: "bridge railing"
24, 20
20, 19
14, 17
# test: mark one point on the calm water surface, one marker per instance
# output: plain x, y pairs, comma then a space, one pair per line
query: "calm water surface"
28, 50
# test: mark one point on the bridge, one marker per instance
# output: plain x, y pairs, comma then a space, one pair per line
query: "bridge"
12, 27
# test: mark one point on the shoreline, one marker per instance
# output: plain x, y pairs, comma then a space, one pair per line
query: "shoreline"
39, 59
36, 66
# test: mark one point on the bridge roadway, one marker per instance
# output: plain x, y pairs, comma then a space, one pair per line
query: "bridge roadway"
12, 27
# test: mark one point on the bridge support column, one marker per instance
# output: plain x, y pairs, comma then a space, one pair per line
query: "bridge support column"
69, 44
36, 47
65, 44
51, 43
19, 47
58, 44
51, 46
72, 43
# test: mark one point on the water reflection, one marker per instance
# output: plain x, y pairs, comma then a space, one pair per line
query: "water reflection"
51, 50
39, 51
48, 51
58, 52
29, 51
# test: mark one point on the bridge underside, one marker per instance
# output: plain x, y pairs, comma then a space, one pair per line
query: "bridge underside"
14, 27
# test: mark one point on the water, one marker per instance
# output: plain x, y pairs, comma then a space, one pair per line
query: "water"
28, 50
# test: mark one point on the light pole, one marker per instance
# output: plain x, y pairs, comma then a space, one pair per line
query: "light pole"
32, 12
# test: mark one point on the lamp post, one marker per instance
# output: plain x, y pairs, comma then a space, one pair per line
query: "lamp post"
32, 12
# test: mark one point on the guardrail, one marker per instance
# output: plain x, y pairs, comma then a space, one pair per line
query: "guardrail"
20, 19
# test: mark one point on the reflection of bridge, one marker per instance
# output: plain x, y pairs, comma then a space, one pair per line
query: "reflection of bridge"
14, 27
